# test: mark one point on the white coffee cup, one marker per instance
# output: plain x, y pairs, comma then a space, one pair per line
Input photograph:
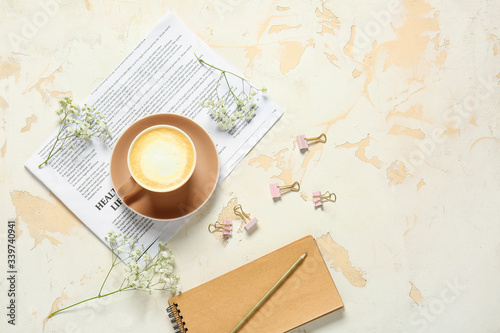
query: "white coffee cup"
160, 159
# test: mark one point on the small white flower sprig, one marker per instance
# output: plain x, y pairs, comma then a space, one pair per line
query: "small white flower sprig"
141, 273
245, 102
77, 124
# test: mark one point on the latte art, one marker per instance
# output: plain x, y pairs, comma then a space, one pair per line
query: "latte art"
161, 158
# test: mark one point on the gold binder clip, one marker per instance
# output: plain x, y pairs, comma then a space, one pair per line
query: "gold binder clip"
249, 222
277, 191
319, 198
304, 142
226, 227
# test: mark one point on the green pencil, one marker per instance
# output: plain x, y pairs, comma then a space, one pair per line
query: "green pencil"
266, 296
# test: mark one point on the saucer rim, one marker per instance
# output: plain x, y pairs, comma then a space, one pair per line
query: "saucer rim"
200, 128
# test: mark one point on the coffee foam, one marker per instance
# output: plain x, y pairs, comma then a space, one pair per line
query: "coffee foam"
161, 159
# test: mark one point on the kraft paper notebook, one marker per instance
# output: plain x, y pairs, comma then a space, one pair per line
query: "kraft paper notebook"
217, 306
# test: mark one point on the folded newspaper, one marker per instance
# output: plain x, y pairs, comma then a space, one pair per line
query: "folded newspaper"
161, 75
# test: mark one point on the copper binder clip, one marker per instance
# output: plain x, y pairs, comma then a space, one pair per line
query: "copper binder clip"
249, 222
304, 142
319, 198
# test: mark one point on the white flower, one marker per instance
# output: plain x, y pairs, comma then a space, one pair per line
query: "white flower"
244, 100
250, 115
167, 270
133, 265
102, 127
148, 274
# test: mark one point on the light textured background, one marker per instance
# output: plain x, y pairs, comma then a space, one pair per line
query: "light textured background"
408, 95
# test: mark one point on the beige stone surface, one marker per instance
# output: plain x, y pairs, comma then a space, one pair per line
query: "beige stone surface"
408, 94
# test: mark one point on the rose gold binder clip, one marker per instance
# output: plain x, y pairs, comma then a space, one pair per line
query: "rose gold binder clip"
304, 142
249, 222
277, 191
319, 198
226, 227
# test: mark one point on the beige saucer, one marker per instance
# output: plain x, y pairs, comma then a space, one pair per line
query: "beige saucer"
189, 197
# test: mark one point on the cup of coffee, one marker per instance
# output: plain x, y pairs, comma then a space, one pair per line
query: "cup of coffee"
160, 159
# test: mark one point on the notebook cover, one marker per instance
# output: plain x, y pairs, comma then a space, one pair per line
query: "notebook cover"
219, 305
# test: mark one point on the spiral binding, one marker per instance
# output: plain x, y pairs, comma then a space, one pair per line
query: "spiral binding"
176, 318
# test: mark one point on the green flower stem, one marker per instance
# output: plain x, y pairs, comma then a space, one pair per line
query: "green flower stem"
107, 275
67, 137
222, 70
229, 86
99, 295
88, 299
52, 152
217, 86
55, 143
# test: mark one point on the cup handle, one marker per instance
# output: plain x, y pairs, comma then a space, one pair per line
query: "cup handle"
128, 190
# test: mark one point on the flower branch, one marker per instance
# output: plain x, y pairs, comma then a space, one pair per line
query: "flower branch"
144, 273
77, 124
245, 101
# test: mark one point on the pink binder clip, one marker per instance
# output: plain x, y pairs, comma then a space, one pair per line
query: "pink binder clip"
277, 191
249, 222
226, 227
319, 198
304, 142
